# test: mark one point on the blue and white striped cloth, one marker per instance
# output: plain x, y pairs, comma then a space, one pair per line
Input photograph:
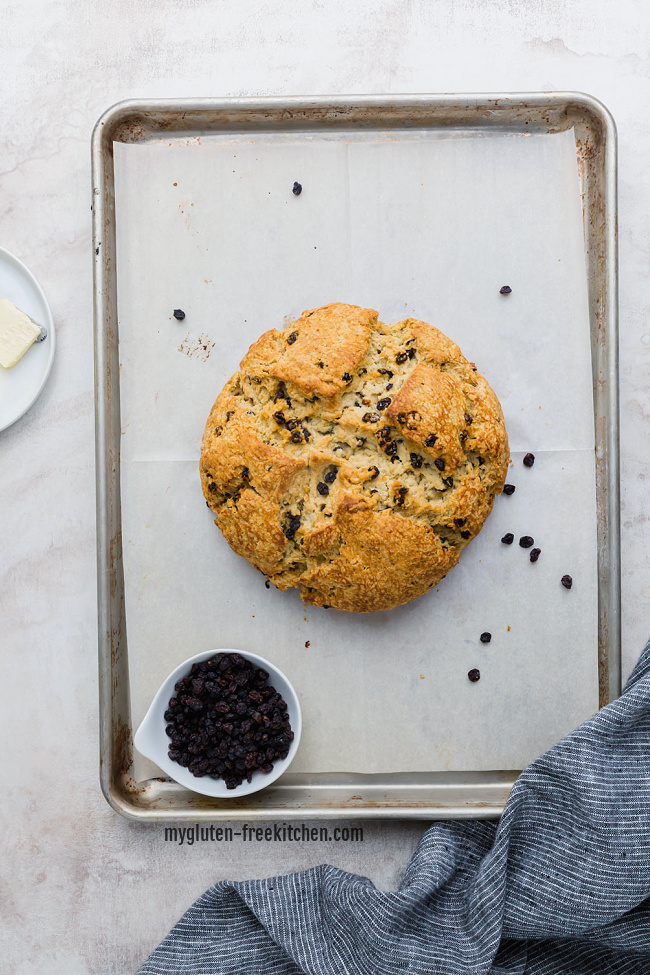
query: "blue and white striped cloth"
561, 886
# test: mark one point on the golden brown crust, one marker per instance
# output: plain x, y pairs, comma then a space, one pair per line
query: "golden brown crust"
315, 351
430, 409
352, 458
364, 572
250, 527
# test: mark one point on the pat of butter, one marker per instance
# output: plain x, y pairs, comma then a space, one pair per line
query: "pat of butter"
17, 333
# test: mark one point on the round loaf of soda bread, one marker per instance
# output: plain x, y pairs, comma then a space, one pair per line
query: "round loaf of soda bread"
352, 458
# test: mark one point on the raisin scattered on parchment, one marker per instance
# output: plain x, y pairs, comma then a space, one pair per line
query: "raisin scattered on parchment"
485, 637
508, 538
526, 541
508, 489
566, 581
505, 290
535, 554
296, 188
474, 675
225, 720
529, 460
179, 314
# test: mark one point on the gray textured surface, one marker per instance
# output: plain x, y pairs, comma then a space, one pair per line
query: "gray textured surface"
83, 891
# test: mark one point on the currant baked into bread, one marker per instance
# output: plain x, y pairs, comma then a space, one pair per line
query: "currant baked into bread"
352, 458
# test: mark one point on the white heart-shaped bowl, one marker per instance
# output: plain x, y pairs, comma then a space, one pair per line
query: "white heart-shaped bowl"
152, 741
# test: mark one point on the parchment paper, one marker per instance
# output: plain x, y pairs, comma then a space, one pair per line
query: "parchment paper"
412, 224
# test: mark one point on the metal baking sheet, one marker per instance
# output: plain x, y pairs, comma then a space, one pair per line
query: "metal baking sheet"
195, 218
414, 794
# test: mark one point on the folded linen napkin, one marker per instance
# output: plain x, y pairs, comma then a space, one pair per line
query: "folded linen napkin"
560, 886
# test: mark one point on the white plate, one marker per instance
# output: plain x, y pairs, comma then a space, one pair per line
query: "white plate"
21, 385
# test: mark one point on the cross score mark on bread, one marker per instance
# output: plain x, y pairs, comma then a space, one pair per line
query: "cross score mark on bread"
353, 459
